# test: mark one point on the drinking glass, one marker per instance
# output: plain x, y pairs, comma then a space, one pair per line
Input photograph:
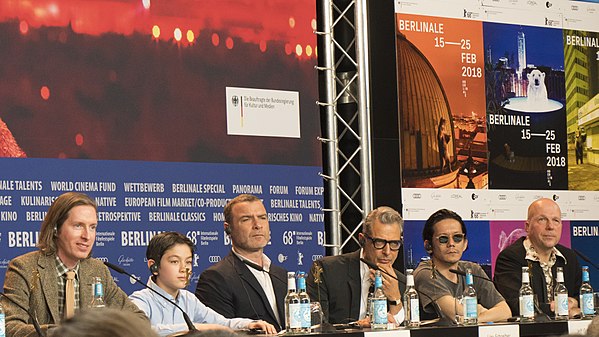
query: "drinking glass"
316, 316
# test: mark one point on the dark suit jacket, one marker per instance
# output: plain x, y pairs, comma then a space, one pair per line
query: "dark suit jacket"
340, 288
508, 275
230, 288
31, 281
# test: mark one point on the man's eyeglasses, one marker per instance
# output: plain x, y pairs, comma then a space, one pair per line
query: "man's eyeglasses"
381, 243
457, 238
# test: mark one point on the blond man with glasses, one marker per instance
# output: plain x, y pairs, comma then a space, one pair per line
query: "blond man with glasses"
445, 240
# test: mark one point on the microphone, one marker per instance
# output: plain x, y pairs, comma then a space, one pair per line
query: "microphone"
463, 273
36, 324
540, 317
585, 258
375, 267
443, 319
188, 321
260, 268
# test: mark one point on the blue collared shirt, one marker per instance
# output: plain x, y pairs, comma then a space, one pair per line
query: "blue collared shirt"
167, 319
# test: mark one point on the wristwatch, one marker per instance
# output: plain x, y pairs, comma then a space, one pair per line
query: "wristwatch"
393, 302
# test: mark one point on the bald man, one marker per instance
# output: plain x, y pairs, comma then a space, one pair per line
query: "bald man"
541, 252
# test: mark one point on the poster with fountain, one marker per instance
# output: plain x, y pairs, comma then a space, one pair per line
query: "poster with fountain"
525, 97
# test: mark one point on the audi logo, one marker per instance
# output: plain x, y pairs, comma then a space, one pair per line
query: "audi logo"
316, 257
213, 258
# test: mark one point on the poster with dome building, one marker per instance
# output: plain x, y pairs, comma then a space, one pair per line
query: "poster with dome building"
441, 102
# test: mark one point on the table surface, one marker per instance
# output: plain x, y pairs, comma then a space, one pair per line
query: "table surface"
550, 328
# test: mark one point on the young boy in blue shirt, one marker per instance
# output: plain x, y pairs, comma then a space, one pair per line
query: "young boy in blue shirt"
170, 256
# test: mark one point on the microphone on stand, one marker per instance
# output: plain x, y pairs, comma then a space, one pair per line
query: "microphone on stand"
539, 317
463, 273
260, 268
190, 326
585, 258
36, 324
443, 319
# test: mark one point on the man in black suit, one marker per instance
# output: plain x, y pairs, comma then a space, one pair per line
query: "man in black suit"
541, 253
341, 283
232, 287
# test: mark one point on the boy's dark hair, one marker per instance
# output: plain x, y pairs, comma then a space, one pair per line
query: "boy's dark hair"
440, 215
162, 242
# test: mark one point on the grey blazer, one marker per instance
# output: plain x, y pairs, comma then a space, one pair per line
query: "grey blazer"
31, 281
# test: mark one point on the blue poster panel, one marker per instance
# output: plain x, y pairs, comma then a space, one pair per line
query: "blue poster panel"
137, 200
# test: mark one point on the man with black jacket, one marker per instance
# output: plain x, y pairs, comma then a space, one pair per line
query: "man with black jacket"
539, 251
245, 283
341, 283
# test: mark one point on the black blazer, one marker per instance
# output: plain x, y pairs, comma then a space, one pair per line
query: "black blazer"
508, 275
340, 289
230, 288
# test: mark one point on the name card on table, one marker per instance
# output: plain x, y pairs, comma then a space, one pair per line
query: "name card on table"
578, 327
388, 333
499, 330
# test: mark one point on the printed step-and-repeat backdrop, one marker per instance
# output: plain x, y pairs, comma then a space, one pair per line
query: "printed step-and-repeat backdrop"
498, 106
161, 111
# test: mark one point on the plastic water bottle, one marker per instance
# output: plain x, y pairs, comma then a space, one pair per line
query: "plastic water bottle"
292, 306
304, 300
587, 301
379, 304
560, 295
98, 291
411, 302
369, 312
526, 298
469, 301
2, 322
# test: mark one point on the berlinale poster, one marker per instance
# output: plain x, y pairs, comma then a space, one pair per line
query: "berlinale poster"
498, 107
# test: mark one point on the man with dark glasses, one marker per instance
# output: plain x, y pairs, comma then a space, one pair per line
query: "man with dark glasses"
341, 283
445, 240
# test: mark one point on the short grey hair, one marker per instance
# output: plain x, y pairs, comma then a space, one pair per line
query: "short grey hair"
385, 215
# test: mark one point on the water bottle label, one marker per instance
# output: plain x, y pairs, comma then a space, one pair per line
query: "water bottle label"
304, 314
562, 304
470, 307
379, 311
98, 291
588, 304
2, 325
414, 310
295, 317
527, 306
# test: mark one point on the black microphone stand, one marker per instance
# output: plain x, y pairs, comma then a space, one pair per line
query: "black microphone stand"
36, 324
443, 319
540, 316
188, 321
585, 258
260, 268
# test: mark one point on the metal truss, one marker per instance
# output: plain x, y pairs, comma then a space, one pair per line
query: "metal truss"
345, 102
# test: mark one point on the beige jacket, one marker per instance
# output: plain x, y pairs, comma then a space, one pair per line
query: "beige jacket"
31, 281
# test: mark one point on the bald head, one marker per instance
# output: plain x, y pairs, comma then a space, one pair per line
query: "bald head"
540, 204
544, 225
